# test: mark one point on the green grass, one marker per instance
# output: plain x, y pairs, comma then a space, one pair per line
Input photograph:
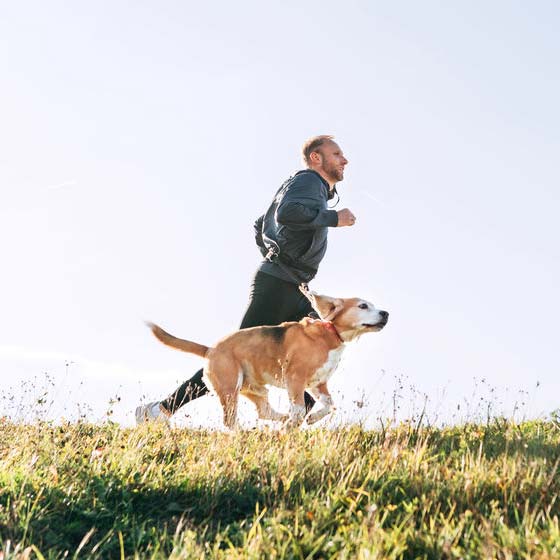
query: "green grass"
472, 491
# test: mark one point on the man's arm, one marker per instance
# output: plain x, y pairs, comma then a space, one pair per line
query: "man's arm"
301, 207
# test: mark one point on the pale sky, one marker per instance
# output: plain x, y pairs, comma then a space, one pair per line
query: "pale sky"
140, 140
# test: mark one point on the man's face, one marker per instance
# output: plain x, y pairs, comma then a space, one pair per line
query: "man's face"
333, 161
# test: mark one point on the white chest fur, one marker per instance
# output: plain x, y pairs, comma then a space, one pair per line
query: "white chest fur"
328, 368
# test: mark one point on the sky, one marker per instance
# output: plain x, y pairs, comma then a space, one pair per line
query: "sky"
139, 141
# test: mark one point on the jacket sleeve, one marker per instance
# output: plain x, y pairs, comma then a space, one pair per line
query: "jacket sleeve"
302, 207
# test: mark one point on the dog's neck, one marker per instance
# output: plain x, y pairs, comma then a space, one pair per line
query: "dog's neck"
350, 334
329, 325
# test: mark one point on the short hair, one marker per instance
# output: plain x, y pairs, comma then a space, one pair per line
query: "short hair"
313, 144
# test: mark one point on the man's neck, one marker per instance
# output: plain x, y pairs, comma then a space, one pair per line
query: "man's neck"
327, 179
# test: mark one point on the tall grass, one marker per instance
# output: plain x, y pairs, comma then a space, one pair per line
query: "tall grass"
470, 491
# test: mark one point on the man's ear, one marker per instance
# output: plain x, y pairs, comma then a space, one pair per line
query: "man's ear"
316, 157
327, 307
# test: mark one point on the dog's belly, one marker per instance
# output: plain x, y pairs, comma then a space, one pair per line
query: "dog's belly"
323, 374
273, 374
275, 379
258, 375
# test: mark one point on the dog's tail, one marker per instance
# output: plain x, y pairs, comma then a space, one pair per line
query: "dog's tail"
178, 343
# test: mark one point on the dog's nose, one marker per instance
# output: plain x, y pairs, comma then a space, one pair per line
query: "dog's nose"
384, 315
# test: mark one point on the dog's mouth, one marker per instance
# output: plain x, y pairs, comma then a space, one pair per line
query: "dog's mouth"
383, 318
376, 326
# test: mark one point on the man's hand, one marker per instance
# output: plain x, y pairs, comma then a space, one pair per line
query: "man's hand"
345, 218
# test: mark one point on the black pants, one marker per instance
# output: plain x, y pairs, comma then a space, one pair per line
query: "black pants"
272, 301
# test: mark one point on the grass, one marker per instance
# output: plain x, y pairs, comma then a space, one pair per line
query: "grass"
100, 491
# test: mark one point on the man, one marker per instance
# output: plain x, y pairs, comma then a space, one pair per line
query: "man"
292, 236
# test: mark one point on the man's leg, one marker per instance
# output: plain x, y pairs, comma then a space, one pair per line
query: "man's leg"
272, 301
188, 391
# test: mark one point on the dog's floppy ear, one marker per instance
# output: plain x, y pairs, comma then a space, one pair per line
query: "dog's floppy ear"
327, 307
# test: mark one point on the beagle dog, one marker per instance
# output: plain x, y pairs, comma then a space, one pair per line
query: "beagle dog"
293, 355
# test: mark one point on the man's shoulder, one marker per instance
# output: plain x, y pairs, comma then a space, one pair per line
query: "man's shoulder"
307, 178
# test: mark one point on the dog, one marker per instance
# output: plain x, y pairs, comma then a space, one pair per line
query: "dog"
293, 355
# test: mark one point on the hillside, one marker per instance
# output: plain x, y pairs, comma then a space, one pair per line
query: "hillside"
472, 491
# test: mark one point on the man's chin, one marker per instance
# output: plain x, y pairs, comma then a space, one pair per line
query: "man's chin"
336, 177
333, 175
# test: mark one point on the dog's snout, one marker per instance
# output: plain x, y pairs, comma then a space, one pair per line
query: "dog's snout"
384, 315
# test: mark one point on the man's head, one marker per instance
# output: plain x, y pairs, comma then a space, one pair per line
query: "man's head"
323, 154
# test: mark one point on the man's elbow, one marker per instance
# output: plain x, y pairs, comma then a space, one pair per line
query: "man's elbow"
292, 214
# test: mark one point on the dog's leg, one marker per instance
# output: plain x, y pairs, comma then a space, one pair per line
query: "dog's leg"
229, 404
321, 393
297, 404
264, 410
227, 385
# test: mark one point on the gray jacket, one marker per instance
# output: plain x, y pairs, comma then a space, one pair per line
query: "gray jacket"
294, 228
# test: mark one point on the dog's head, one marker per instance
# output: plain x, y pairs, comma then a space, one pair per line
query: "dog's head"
352, 317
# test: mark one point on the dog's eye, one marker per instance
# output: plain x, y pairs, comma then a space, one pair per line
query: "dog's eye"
363, 306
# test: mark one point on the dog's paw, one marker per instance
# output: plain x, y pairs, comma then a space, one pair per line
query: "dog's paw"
319, 415
275, 416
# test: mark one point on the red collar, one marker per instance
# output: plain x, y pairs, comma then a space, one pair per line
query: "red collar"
330, 327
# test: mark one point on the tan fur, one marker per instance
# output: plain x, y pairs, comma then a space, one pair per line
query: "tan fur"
293, 355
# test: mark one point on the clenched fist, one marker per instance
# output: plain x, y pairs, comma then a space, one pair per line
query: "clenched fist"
345, 218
